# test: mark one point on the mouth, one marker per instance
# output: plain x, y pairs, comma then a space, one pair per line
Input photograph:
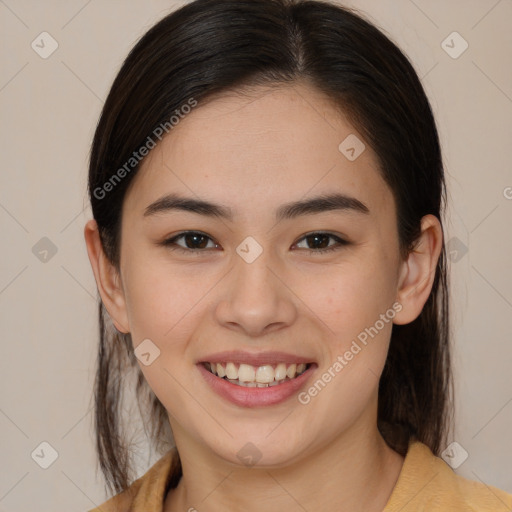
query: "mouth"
263, 376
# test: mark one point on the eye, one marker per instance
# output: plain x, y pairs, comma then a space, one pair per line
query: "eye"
193, 240
319, 239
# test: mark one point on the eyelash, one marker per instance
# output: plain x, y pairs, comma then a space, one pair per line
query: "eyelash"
170, 242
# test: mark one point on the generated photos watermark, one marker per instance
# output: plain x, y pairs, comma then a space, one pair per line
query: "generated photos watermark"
343, 360
150, 143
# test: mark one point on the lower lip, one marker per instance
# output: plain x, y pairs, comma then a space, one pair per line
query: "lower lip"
255, 397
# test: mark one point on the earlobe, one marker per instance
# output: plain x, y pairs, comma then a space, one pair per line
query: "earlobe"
418, 271
107, 278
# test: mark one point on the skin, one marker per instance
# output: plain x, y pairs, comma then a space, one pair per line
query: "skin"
253, 153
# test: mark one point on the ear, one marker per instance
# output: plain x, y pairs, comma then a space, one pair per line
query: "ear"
107, 278
417, 273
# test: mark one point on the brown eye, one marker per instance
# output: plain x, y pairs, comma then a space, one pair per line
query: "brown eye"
318, 242
194, 241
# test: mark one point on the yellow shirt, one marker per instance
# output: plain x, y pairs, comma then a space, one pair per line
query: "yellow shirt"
425, 483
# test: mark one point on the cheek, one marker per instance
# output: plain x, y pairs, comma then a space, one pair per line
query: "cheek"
351, 297
164, 306
161, 299
357, 307
356, 303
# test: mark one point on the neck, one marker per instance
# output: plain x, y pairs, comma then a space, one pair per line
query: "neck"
356, 471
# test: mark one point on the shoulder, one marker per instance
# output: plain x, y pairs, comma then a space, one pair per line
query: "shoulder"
147, 493
427, 482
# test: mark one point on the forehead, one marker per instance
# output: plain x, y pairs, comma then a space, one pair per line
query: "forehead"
255, 150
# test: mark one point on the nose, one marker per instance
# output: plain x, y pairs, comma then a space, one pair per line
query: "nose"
256, 298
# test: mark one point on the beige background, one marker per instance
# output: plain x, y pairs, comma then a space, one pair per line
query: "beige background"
49, 109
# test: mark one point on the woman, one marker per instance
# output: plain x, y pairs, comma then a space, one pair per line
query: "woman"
267, 189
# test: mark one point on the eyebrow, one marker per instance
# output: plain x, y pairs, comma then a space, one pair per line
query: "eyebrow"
318, 204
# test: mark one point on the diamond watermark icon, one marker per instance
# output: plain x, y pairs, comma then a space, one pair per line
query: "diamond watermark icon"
456, 249
44, 250
44, 455
249, 249
249, 454
44, 45
454, 45
351, 147
146, 352
454, 455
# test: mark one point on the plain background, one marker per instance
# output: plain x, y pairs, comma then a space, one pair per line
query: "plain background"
49, 109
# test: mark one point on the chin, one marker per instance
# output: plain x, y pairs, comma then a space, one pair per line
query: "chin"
257, 449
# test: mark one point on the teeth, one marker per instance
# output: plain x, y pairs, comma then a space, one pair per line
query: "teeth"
231, 371
246, 373
220, 370
290, 372
243, 384
262, 376
280, 373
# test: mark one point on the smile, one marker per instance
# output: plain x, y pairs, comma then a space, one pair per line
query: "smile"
266, 375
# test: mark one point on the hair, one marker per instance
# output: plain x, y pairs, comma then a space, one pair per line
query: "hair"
211, 47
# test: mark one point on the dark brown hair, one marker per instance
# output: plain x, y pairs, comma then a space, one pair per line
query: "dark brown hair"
216, 46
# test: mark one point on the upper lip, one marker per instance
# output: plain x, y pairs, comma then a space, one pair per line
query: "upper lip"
254, 359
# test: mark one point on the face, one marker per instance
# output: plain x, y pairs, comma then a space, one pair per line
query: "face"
256, 280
